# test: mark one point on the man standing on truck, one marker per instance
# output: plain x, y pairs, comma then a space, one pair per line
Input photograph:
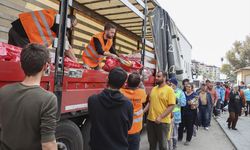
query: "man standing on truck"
137, 96
100, 45
111, 115
27, 111
162, 101
38, 27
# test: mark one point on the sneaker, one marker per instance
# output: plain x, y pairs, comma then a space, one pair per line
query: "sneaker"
187, 143
174, 147
206, 128
234, 128
195, 132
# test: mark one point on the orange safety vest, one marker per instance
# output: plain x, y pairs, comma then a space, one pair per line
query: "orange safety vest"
37, 26
90, 55
137, 97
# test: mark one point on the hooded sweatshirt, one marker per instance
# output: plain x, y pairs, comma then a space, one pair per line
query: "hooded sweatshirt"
111, 116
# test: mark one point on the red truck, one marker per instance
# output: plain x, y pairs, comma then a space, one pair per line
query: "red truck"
73, 126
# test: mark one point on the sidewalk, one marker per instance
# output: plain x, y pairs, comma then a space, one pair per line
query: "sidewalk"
214, 139
241, 137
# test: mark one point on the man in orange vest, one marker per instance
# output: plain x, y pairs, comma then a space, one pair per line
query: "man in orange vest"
100, 45
37, 27
137, 97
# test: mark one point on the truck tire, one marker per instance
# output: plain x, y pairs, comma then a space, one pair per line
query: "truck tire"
86, 135
68, 136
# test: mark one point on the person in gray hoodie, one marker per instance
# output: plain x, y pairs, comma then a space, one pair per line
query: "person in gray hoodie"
111, 115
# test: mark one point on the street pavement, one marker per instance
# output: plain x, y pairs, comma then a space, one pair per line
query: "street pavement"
241, 137
214, 139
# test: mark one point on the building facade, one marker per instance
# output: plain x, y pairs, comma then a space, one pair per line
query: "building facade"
201, 71
243, 74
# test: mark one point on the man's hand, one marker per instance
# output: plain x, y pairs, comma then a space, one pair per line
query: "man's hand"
114, 56
70, 54
215, 104
49, 145
165, 114
110, 55
158, 120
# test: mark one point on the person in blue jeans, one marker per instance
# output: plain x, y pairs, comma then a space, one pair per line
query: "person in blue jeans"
205, 105
220, 93
247, 96
180, 102
223, 94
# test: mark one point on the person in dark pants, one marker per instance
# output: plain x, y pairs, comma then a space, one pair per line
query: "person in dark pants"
227, 94
180, 102
205, 104
162, 101
111, 115
220, 95
234, 107
188, 114
241, 89
247, 96
137, 96
38, 27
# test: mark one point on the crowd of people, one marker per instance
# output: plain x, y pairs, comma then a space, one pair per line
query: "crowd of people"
197, 107
171, 109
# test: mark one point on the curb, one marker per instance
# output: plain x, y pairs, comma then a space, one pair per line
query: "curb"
226, 134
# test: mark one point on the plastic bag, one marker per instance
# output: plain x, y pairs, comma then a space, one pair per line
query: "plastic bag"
9, 52
135, 67
132, 57
110, 64
71, 64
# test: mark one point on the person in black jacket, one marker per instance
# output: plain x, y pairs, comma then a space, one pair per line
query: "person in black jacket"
111, 115
234, 107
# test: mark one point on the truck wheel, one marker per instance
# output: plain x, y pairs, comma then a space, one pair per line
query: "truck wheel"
86, 134
68, 136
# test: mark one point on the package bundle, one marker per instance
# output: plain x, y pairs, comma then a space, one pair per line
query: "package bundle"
132, 57
147, 72
70, 63
12, 53
9, 52
131, 65
124, 62
111, 63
